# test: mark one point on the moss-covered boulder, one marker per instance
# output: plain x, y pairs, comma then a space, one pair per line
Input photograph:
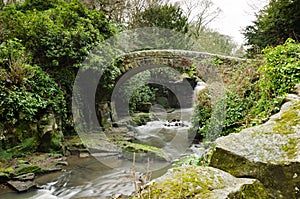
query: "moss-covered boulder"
269, 152
203, 182
142, 151
139, 119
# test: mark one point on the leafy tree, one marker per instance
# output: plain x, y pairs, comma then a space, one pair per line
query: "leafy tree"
279, 20
58, 34
165, 16
121, 12
26, 95
279, 75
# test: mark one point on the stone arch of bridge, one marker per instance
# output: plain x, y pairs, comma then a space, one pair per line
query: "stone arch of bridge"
178, 59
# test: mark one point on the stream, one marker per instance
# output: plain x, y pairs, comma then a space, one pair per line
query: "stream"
90, 178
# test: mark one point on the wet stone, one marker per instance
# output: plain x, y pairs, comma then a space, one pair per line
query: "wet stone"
25, 177
22, 186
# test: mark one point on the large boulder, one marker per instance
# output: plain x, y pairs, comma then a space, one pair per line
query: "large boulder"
268, 152
203, 182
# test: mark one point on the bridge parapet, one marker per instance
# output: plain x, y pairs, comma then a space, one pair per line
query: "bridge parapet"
177, 59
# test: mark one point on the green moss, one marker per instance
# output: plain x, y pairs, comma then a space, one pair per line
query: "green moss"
141, 148
291, 147
25, 168
251, 191
185, 182
139, 121
141, 118
288, 120
74, 141
8, 170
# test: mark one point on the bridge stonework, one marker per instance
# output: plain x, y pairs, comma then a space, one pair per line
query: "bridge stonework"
178, 59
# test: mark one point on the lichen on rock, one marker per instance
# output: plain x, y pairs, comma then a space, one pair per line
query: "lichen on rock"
202, 182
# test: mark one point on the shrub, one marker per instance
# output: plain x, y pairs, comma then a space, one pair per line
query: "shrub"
26, 93
278, 76
254, 93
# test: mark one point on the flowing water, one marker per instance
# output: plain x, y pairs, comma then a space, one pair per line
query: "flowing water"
88, 177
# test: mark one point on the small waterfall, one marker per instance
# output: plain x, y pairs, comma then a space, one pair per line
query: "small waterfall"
199, 87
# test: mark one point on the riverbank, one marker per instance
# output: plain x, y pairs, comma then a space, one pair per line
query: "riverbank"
27, 172
20, 174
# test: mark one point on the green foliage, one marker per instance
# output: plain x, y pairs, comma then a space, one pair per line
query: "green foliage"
202, 113
40, 5
278, 21
162, 16
59, 34
241, 96
214, 42
141, 96
278, 76
56, 32
25, 89
26, 94
191, 71
4, 155
189, 160
202, 160
136, 92
253, 95
161, 27
27, 146
282, 69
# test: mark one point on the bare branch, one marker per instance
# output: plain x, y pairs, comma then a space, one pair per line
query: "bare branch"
200, 14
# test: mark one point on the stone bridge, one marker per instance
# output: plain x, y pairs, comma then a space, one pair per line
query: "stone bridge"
181, 60
205, 65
